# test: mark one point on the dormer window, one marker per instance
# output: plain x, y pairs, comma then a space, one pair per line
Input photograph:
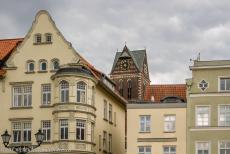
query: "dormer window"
48, 37
30, 66
43, 65
38, 38
55, 64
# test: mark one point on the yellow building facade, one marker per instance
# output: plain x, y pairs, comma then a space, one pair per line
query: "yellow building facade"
156, 128
49, 86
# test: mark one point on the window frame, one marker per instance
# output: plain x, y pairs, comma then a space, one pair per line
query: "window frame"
104, 141
80, 91
105, 110
219, 83
170, 115
46, 37
110, 113
169, 146
81, 128
219, 145
145, 147
145, 124
209, 146
110, 143
28, 63
65, 91
22, 131
41, 62
65, 127
219, 105
46, 129
23, 95
36, 38
48, 94
53, 64
196, 116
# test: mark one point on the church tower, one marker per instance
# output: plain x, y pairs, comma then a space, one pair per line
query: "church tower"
130, 73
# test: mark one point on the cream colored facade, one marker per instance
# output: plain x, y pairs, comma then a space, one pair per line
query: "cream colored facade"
157, 138
91, 111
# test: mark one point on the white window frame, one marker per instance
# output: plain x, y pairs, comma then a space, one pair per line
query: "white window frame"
219, 144
170, 146
219, 114
26, 97
169, 121
64, 123
81, 125
22, 130
104, 141
53, 61
51, 38
145, 147
40, 65
35, 38
81, 92
145, 123
28, 66
110, 113
209, 115
219, 85
46, 90
65, 89
105, 109
209, 146
46, 126
110, 140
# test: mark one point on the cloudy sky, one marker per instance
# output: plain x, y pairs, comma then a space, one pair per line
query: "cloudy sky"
173, 32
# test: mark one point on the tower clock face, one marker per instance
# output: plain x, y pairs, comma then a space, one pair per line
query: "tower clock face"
124, 65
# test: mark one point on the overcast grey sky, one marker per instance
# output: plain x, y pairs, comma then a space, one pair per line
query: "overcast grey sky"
172, 31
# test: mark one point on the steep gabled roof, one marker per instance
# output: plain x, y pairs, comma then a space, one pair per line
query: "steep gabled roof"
159, 92
137, 56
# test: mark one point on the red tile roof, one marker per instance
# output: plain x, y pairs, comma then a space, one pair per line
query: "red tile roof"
7, 46
161, 91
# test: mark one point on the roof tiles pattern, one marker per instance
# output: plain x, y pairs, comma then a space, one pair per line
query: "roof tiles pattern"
161, 91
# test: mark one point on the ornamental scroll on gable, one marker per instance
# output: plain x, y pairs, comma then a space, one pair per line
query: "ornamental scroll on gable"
203, 85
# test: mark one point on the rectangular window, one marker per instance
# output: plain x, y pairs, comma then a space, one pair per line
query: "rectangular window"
80, 130
99, 142
145, 123
115, 118
22, 96
110, 113
224, 115
21, 132
202, 148
169, 149
224, 147
170, 123
105, 109
225, 84
144, 150
46, 94
63, 129
46, 129
110, 143
104, 141
202, 115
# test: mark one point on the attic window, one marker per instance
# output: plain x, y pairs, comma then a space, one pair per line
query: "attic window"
48, 37
43, 65
38, 38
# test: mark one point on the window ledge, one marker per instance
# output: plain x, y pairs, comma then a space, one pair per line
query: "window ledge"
30, 72
53, 71
42, 43
42, 71
21, 107
105, 119
46, 106
169, 131
145, 132
110, 122
104, 151
46, 142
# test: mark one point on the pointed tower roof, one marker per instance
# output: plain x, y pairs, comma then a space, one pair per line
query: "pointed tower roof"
137, 56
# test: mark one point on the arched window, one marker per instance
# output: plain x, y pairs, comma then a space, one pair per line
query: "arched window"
120, 88
43, 65
48, 37
30, 66
81, 92
38, 38
64, 91
129, 89
55, 64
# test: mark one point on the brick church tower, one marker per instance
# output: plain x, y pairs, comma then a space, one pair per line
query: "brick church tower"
130, 73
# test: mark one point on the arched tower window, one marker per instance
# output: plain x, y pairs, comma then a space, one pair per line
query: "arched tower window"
30, 66
81, 92
129, 89
120, 88
64, 91
43, 65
